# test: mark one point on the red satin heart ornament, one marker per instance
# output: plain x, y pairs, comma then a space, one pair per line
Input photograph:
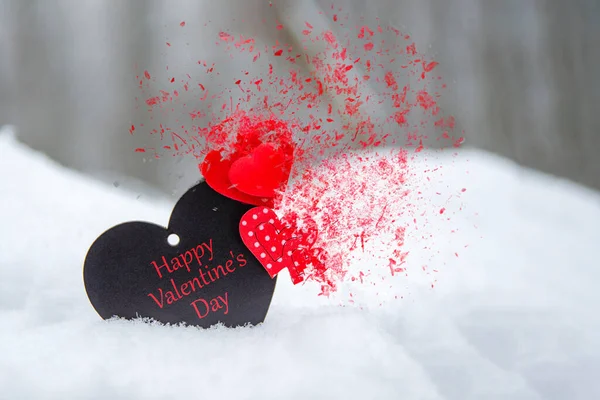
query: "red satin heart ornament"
275, 245
215, 170
262, 172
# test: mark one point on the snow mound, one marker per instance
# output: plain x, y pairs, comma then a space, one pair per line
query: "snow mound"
512, 316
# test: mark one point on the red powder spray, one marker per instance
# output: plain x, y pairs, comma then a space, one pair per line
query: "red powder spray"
351, 160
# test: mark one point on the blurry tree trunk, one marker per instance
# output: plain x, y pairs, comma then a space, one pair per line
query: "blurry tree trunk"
572, 46
44, 107
7, 55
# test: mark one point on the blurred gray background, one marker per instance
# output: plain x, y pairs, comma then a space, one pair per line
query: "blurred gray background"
523, 73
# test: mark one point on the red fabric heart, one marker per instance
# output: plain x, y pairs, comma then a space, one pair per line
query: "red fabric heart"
262, 172
215, 170
275, 245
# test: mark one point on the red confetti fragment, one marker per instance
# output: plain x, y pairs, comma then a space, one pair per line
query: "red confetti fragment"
226, 37
152, 101
429, 66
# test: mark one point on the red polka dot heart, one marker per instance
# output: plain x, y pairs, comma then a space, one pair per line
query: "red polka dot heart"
275, 245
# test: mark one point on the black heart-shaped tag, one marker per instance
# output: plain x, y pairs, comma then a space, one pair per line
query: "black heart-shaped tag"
208, 277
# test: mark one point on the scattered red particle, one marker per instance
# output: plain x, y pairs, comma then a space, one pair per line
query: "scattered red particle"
132, 129
448, 122
442, 210
425, 100
182, 24
330, 38
168, 44
226, 37
459, 142
354, 213
153, 101
420, 148
427, 67
140, 150
390, 80
361, 33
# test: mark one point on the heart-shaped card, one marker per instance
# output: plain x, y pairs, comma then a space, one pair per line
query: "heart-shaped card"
207, 276
277, 245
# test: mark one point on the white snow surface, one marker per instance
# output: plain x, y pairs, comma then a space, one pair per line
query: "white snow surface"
514, 317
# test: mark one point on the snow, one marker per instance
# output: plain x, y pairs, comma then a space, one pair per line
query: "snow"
514, 316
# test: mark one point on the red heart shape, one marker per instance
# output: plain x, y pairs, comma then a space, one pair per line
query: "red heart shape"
215, 170
262, 172
275, 245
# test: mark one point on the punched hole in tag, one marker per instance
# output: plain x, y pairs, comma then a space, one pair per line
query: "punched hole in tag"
173, 239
